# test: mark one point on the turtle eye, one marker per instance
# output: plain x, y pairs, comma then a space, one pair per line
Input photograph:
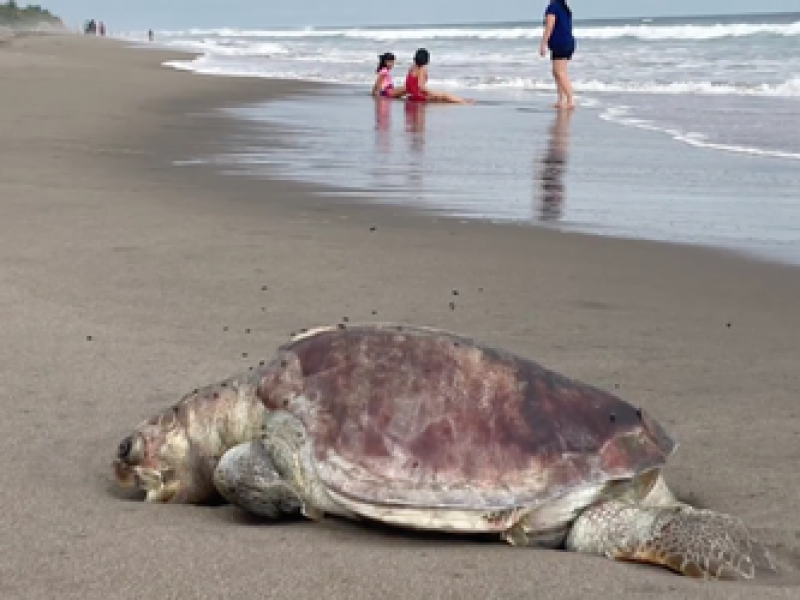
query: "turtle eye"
128, 449
124, 448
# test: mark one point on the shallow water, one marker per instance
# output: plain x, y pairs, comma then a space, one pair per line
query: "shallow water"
525, 163
730, 82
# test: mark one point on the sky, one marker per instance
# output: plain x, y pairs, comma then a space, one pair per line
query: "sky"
180, 14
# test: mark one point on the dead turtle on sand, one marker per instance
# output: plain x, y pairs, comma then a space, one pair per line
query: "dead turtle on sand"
425, 429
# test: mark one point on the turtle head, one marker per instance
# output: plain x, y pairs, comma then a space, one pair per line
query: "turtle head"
171, 457
155, 458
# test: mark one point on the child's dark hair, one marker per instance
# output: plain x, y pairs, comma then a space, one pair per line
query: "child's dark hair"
565, 6
422, 57
383, 59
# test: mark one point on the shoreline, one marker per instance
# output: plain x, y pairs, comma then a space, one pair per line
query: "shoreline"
129, 282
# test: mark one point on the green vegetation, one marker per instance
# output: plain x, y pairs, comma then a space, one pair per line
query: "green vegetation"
11, 15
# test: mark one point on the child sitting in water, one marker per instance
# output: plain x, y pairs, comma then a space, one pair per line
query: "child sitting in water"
417, 78
383, 86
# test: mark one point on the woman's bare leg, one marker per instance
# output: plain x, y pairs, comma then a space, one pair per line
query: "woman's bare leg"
565, 99
445, 97
397, 92
559, 87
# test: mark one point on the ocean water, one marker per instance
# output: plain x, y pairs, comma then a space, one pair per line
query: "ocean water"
698, 116
701, 80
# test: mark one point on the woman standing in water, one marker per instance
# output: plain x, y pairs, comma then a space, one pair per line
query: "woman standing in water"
558, 37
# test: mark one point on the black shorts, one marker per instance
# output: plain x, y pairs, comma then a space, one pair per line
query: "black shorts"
562, 53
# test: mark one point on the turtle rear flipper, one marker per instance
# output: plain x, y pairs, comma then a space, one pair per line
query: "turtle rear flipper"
696, 543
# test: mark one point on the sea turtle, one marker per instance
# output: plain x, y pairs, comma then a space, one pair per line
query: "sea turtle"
426, 429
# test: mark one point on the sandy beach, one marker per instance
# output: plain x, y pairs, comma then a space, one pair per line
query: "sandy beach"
127, 282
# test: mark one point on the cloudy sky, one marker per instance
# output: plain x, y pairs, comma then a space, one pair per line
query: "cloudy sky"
160, 14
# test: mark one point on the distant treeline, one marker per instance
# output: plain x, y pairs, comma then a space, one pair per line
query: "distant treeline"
11, 15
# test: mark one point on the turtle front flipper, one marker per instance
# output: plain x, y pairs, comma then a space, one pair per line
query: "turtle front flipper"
287, 443
246, 477
693, 542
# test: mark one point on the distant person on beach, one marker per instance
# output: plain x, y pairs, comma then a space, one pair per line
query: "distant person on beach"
384, 87
417, 79
558, 37
150, 35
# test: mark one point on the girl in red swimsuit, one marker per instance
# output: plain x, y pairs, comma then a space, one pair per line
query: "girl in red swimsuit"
417, 78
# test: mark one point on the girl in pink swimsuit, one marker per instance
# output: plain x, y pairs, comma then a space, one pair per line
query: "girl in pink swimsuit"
417, 78
383, 86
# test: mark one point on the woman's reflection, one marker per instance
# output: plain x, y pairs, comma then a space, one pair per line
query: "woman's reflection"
551, 175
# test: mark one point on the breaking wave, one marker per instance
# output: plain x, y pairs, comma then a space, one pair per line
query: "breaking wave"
786, 89
622, 116
645, 32
284, 70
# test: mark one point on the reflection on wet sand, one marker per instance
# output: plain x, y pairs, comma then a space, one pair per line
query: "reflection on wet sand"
551, 174
380, 164
383, 124
415, 117
415, 134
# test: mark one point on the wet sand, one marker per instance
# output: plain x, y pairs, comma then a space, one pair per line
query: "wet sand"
126, 282
519, 161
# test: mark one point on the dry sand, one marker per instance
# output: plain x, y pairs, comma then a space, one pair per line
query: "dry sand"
119, 273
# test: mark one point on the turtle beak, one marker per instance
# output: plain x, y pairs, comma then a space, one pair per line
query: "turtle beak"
124, 475
158, 486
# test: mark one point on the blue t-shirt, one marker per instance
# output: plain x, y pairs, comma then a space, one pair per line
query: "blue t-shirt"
562, 37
